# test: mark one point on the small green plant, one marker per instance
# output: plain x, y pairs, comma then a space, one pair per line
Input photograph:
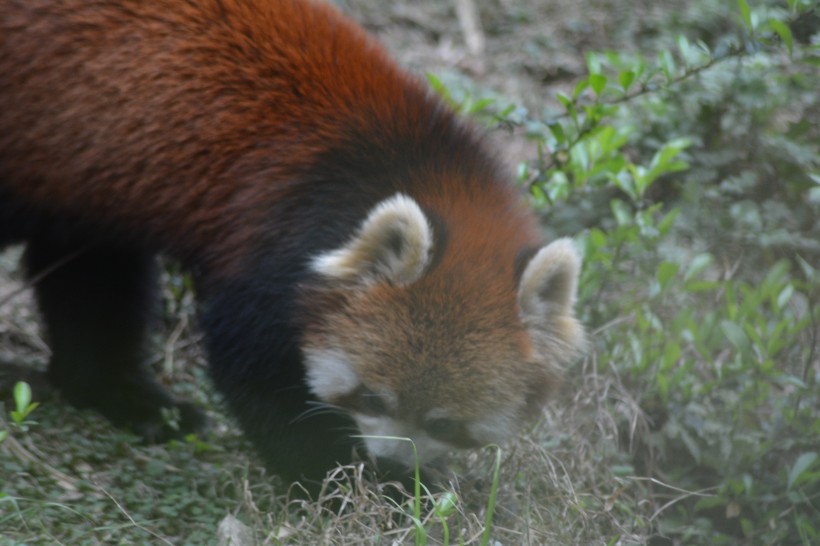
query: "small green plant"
488, 519
445, 503
421, 532
194, 444
23, 407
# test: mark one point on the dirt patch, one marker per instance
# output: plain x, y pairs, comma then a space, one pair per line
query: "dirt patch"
533, 47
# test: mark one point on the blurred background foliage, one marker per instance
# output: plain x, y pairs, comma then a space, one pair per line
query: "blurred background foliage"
693, 176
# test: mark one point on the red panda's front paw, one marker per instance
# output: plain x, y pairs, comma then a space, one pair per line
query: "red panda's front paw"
176, 421
437, 475
135, 402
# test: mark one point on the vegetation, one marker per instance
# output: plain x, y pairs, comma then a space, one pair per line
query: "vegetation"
690, 174
710, 271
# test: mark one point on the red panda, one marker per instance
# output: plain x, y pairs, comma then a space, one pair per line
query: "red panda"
363, 264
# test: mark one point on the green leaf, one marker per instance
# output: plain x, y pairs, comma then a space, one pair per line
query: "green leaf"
663, 384
667, 63
22, 396
666, 223
625, 180
701, 286
593, 63
704, 48
666, 272
579, 88
439, 87
597, 82
699, 263
777, 339
775, 275
446, 504
488, 518
623, 469
802, 464
508, 111
812, 60
479, 106
785, 33
691, 445
790, 380
626, 78
557, 131
671, 356
435, 82
735, 335
784, 296
3, 435
731, 300
745, 13
621, 212
752, 334
670, 150
685, 49
597, 238
569, 106
539, 196
809, 271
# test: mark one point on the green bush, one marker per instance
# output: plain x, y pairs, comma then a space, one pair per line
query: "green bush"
696, 181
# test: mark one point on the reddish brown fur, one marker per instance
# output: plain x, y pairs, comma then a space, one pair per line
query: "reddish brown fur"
166, 101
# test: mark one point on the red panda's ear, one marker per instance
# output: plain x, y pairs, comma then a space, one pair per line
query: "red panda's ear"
547, 290
392, 244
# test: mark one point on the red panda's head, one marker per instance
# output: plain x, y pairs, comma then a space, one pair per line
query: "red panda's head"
455, 351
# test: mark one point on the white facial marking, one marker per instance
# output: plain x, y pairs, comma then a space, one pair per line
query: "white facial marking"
493, 429
382, 438
438, 413
329, 373
387, 396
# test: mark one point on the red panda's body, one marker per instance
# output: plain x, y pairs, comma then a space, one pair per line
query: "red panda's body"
350, 239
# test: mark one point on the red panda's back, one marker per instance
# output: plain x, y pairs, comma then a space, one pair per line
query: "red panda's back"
140, 113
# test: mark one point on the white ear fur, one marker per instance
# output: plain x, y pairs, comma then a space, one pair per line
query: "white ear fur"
550, 281
393, 244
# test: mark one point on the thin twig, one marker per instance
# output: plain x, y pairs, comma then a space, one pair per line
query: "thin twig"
131, 519
42, 274
646, 88
470, 22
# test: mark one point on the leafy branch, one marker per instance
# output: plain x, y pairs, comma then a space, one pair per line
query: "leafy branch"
583, 149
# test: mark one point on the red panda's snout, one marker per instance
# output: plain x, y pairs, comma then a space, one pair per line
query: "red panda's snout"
452, 354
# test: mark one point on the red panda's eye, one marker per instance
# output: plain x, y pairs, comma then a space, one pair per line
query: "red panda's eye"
443, 429
373, 404
452, 432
